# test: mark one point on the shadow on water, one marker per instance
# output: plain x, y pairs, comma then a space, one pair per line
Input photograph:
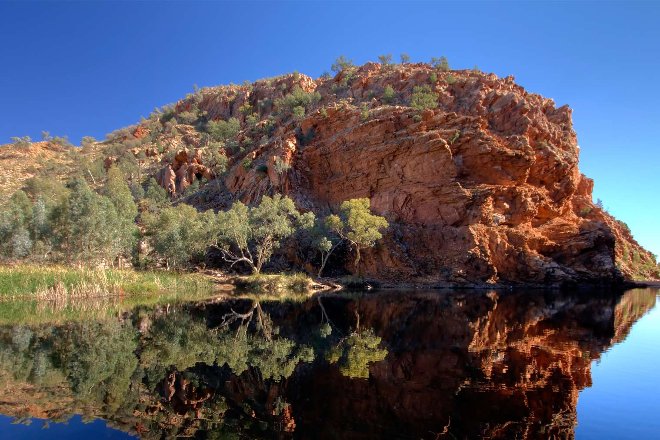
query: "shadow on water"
392, 364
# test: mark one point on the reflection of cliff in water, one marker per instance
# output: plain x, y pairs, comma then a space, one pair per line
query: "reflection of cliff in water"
389, 365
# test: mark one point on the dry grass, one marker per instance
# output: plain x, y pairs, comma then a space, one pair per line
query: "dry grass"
36, 295
17, 164
276, 285
51, 282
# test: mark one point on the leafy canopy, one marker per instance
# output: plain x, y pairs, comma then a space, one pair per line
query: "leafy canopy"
250, 235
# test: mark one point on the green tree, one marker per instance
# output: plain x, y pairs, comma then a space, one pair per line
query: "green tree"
342, 63
405, 58
180, 234
385, 59
86, 226
15, 217
423, 98
357, 225
155, 196
356, 352
119, 193
250, 235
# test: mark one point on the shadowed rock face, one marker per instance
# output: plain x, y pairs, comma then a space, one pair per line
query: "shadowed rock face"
452, 365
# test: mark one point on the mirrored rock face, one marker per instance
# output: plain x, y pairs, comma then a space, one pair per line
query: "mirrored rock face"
459, 364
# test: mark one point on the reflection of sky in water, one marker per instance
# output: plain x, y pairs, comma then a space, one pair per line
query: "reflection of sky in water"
74, 428
624, 401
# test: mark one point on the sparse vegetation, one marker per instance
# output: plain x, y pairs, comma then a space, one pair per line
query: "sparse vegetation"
341, 64
389, 96
297, 103
440, 63
277, 284
281, 166
423, 98
385, 60
223, 131
21, 142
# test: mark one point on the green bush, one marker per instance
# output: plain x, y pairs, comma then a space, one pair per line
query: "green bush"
223, 130
341, 64
297, 102
423, 98
21, 142
440, 63
389, 96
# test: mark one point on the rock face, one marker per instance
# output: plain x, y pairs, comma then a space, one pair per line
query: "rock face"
485, 188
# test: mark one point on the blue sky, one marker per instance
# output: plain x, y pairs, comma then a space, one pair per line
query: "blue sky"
88, 68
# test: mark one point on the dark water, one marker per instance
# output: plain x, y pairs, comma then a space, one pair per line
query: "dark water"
391, 365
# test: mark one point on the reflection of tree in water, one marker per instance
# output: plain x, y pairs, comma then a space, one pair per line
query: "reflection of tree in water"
160, 373
352, 353
356, 352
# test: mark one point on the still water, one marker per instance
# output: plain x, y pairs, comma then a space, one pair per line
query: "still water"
385, 365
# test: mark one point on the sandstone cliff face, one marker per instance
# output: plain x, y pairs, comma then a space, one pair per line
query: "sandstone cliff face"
483, 189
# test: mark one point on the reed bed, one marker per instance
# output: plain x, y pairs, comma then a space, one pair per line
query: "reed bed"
52, 282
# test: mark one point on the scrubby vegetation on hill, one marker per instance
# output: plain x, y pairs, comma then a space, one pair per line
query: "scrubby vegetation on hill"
199, 182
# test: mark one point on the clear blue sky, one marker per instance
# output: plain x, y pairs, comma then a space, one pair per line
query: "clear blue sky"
88, 68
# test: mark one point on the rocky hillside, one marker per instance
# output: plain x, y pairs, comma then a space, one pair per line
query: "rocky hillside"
478, 178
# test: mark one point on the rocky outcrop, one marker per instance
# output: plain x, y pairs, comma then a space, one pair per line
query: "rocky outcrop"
482, 189
184, 169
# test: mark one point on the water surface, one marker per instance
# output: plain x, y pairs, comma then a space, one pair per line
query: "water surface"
395, 364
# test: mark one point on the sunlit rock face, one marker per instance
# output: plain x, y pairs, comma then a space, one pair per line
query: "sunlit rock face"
388, 365
485, 188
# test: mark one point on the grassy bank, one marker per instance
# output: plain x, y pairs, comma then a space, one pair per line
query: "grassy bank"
50, 282
275, 284
46, 294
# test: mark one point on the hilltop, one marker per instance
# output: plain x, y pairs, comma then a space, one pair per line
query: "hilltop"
477, 177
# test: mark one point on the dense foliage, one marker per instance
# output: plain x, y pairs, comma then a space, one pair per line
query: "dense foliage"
109, 222
73, 224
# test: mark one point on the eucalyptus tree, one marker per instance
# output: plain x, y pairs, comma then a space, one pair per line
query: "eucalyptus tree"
356, 225
250, 235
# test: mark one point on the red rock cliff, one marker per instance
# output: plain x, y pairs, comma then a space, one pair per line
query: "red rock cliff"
484, 188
